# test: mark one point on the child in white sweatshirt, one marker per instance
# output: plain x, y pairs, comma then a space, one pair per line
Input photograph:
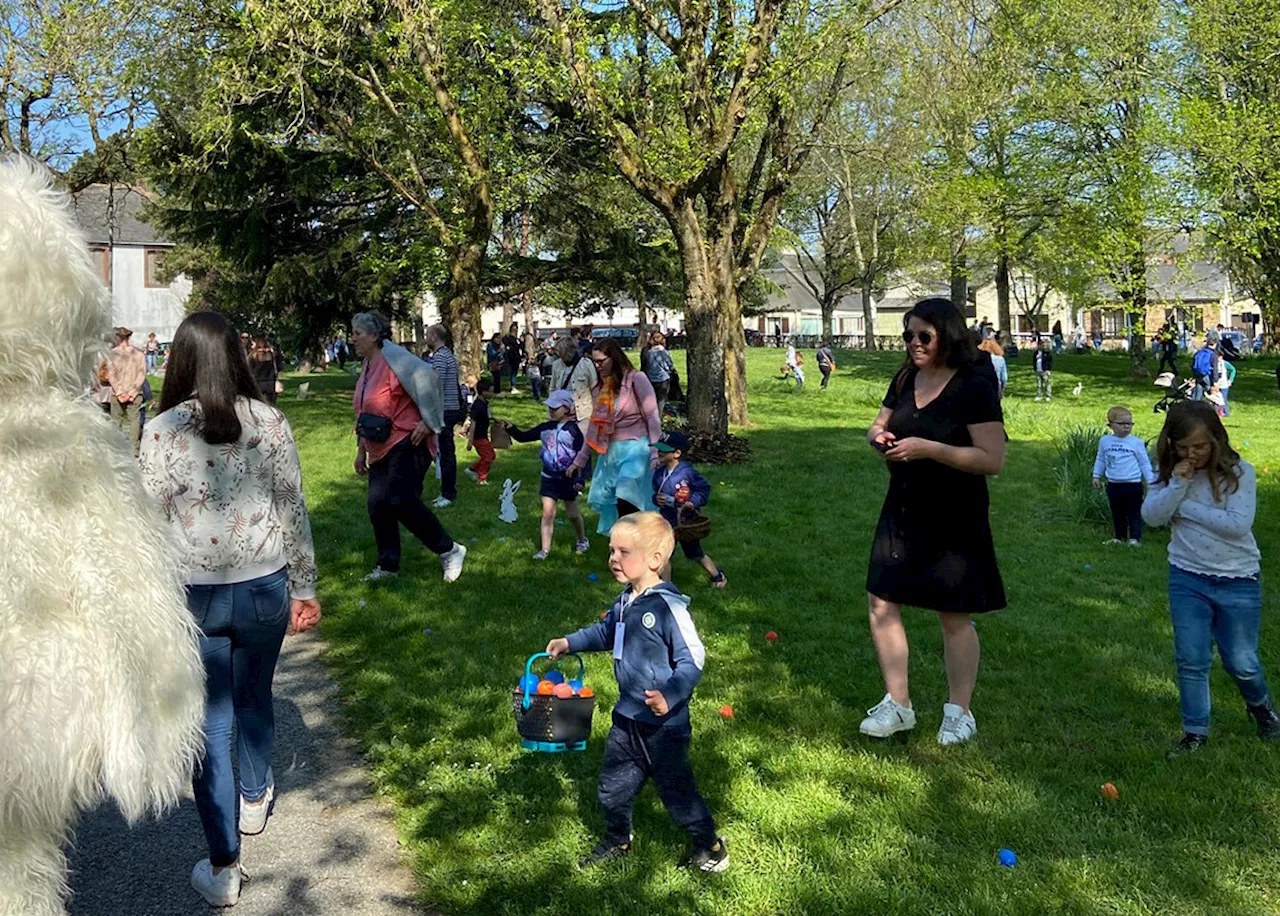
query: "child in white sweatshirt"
1123, 460
1207, 494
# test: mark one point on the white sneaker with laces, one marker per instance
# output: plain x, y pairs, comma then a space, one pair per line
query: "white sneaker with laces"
253, 815
887, 718
222, 889
540, 555
957, 727
441, 502
472, 474
452, 562
379, 573
582, 546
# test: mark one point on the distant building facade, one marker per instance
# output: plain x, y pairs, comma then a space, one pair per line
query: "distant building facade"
129, 256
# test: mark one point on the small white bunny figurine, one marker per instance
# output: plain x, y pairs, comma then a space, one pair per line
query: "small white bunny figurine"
508, 512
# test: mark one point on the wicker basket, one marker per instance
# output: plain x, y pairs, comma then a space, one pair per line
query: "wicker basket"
691, 525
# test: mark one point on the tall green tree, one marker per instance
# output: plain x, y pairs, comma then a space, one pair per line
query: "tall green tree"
1231, 117
709, 110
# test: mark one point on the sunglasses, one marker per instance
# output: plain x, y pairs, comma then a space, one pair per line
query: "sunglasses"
925, 337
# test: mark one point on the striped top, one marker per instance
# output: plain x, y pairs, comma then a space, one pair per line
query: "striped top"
446, 366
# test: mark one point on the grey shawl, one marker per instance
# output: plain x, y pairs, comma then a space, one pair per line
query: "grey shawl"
420, 381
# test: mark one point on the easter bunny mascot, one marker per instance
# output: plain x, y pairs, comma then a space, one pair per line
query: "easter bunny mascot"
101, 682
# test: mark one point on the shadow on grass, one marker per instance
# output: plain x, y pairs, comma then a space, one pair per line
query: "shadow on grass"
1077, 689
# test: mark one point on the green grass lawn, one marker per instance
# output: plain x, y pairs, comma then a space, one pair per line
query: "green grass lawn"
1077, 686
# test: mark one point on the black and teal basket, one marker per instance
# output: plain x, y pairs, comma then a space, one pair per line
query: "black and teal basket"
551, 724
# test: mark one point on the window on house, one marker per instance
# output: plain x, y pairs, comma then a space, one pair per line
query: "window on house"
1113, 323
102, 260
154, 264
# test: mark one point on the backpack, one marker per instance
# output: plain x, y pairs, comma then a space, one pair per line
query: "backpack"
1202, 364
558, 453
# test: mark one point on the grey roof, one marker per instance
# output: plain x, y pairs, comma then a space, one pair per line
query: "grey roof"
93, 204
1190, 281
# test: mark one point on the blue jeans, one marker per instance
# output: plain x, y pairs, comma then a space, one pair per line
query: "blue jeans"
241, 627
1226, 407
1208, 610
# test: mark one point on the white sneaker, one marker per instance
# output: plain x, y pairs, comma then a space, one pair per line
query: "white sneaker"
887, 718
1111, 541
472, 474
1134, 542
379, 573
222, 889
540, 555
1038, 398
441, 502
253, 815
452, 562
957, 727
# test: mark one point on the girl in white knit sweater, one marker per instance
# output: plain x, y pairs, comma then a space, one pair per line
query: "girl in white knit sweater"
1207, 494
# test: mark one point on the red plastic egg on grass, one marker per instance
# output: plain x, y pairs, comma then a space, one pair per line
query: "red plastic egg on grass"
1109, 791
726, 711
563, 691
771, 636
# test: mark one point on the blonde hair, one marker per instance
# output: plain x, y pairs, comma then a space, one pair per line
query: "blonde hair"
1115, 413
652, 533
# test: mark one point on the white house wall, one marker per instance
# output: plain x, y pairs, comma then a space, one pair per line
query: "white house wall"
143, 309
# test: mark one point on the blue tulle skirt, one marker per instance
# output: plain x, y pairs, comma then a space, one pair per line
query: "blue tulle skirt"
621, 473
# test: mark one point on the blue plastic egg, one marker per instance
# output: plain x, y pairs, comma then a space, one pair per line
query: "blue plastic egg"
555, 676
1008, 858
529, 683
575, 683
592, 577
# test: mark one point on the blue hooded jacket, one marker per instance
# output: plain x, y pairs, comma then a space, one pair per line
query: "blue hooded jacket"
660, 651
667, 482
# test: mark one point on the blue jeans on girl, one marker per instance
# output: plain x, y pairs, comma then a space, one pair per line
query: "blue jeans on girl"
1208, 610
242, 626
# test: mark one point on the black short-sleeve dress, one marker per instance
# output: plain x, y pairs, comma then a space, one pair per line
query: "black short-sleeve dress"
933, 545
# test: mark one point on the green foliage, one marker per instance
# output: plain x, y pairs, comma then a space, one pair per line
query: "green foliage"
1073, 473
1232, 122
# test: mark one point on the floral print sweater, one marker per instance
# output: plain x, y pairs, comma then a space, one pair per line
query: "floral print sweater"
238, 508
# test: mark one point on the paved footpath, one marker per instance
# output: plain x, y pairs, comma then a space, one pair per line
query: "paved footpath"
329, 848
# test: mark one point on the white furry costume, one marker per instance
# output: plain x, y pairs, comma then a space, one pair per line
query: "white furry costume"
101, 682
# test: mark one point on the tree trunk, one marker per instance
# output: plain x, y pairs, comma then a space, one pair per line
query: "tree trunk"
1004, 313
707, 374
463, 308
868, 315
1137, 307
959, 276
828, 309
526, 300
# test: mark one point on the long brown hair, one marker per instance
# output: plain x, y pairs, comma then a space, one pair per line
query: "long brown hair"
1185, 417
619, 364
208, 364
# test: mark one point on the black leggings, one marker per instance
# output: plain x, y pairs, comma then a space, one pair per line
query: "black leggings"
395, 499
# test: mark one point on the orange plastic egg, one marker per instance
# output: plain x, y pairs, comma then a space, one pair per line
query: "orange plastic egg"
546, 688
586, 693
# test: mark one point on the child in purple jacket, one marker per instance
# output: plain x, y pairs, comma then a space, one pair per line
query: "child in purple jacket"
676, 483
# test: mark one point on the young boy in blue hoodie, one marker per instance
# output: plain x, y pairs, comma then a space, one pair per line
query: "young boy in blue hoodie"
676, 483
657, 659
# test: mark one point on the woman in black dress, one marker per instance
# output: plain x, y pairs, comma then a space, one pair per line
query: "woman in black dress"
941, 432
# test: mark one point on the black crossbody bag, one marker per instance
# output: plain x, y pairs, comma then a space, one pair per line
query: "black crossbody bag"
370, 426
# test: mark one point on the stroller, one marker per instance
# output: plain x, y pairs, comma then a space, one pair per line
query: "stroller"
1175, 391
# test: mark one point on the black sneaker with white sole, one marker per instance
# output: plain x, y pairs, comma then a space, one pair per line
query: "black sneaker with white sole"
604, 852
1268, 721
713, 859
1190, 743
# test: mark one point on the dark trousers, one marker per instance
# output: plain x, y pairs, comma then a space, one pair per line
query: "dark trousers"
126, 417
1168, 357
1126, 510
661, 392
637, 752
826, 374
395, 499
448, 454
495, 375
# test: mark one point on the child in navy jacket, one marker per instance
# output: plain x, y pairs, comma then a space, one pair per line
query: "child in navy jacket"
657, 659
560, 481
676, 483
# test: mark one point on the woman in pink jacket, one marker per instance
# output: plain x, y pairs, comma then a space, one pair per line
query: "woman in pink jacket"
623, 430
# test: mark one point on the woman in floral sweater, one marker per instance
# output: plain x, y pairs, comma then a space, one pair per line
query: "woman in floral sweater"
224, 469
